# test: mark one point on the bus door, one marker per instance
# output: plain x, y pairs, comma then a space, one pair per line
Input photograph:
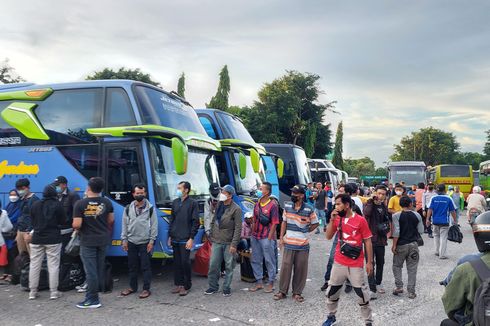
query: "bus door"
123, 168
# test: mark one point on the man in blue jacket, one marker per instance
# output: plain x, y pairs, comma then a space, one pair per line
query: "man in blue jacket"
441, 208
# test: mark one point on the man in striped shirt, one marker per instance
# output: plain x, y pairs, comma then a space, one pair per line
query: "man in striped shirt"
299, 219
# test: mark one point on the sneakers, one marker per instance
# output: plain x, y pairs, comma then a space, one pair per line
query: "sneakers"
210, 291
331, 320
443, 257
33, 295
82, 288
397, 291
324, 286
373, 295
89, 304
55, 295
348, 288
227, 293
412, 295
437, 254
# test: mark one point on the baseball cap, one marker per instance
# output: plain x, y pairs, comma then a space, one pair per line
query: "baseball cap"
60, 179
214, 189
298, 189
229, 189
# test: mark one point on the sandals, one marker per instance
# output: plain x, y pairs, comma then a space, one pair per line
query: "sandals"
298, 298
145, 294
127, 292
279, 296
256, 287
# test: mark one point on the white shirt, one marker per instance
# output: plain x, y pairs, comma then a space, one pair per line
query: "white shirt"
358, 202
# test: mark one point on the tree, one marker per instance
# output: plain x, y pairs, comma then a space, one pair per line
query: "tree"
358, 167
381, 171
486, 149
8, 74
220, 100
431, 145
338, 148
181, 86
287, 111
123, 73
470, 158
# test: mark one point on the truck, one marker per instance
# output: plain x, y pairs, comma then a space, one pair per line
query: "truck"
123, 131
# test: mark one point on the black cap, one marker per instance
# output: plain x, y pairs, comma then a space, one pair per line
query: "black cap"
59, 180
298, 189
214, 189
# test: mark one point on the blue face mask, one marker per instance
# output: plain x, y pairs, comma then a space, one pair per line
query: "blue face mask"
259, 193
58, 189
179, 193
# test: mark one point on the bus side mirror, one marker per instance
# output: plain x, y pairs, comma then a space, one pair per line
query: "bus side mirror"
280, 168
21, 116
255, 158
180, 154
242, 165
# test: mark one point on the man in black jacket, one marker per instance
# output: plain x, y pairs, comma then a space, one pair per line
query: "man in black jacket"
184, 224
67, 199
376, 214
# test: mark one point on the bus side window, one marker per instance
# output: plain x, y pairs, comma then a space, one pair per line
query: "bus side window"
208, 126
118, 110
123, 171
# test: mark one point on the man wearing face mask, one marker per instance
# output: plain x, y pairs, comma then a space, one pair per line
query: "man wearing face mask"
24, 223
394, 203
139, 232
299, 219
184, 224
226, 229
210, 206
68, 199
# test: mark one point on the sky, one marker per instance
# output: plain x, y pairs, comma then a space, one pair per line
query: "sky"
392, 66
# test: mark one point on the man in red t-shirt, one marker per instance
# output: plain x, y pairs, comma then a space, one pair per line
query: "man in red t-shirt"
265, 221
348, 264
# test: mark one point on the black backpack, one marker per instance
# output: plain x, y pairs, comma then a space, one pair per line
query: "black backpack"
71, 275
454, 234
127, 210
481, 303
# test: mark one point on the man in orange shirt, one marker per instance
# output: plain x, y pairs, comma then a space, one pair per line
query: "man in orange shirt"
419, 193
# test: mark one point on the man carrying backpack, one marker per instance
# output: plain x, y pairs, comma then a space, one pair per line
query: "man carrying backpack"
467, 296
139, 232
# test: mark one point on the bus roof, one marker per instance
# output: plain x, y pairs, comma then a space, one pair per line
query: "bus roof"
486, 162
406, 163
281, 145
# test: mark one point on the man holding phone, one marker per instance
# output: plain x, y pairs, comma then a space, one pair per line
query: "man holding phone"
354, 232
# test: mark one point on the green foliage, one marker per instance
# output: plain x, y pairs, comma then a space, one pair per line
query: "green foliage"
123, 73
220, 100
338, 148
8, 74
486, 149
359, 167
431, 145
287, 111
470, 158
181, 86
381, 171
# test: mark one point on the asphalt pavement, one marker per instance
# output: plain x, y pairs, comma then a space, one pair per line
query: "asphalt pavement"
243, 307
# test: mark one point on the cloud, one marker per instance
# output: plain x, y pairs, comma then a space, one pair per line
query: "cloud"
393, 67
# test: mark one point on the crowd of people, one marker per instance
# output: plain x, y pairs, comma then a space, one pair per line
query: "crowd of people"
360, 227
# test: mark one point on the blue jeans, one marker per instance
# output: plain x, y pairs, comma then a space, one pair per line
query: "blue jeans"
331, 257
263, 249
320, 213
220, 252
93, 259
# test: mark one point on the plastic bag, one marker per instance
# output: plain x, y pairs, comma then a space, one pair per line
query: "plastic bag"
73, 247
201, 260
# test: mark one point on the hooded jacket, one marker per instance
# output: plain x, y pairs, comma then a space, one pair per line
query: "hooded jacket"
142, 228
47, 215
375, 215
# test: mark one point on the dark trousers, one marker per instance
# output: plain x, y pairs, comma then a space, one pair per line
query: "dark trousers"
427, 229
182, 266
449, 322
378, 264
139, 259
93, 259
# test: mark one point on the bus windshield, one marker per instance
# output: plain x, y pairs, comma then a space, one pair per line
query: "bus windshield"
452, 171
252, 180
201, 175
411, 175
304, 175
159, 108
233, 128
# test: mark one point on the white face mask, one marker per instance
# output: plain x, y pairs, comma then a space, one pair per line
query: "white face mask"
399, 193
222, 197
13, 199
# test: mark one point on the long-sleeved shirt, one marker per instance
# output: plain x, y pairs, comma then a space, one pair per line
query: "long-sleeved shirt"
5, 225
459, 295
139, 226
476, 201
427, 196
226, 225
184, 220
